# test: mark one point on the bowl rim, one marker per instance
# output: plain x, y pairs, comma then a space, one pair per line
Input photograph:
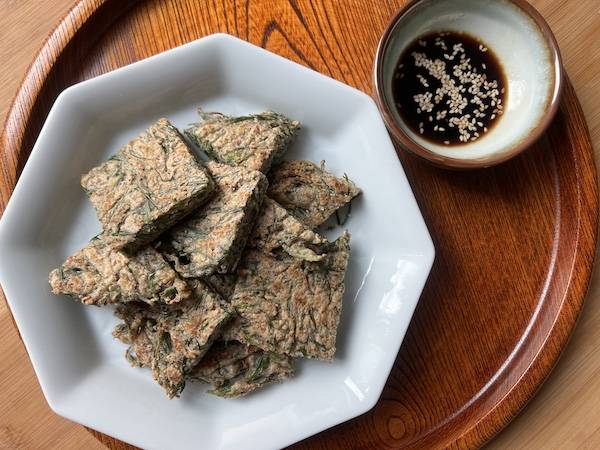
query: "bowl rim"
407, 143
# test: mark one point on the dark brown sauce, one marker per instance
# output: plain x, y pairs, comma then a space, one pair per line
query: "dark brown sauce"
449, 88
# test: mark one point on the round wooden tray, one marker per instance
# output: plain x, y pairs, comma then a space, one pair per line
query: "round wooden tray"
515, 244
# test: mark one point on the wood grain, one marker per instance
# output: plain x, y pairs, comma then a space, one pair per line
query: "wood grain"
430, 381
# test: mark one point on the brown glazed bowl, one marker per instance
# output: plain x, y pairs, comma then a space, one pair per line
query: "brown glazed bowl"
526, 50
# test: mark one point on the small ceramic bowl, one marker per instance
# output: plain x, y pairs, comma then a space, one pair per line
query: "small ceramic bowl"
526, 50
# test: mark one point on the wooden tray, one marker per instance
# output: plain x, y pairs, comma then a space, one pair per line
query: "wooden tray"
515, 244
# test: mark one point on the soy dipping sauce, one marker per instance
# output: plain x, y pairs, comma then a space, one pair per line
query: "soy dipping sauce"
449, 88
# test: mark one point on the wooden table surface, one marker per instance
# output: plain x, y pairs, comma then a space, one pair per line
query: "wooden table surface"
566, 412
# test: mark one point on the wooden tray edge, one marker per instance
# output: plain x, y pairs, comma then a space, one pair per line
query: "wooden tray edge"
15, 122
576, 292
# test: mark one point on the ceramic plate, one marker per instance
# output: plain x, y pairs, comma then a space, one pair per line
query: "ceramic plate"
80, 366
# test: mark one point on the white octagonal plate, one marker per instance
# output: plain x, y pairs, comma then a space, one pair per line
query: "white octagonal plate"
80, 366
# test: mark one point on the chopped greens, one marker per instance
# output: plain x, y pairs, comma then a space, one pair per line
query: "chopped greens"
254, 141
